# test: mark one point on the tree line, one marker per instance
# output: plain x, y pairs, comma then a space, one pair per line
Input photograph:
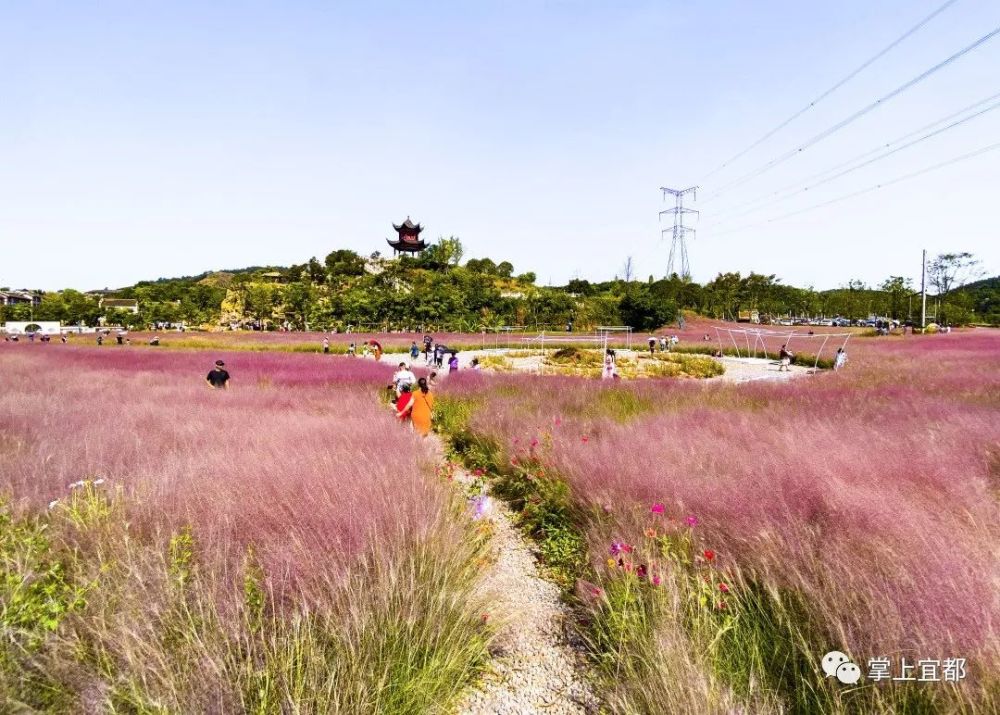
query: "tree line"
437, 290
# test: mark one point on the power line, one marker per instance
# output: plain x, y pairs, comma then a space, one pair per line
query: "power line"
863, 155
857, 115
863, 164
865, 65
875, 187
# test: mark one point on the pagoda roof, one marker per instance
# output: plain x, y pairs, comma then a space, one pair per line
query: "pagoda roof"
408, 226
413, 244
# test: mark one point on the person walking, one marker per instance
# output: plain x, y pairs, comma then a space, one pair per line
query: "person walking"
404, 404
663, 344
326, 346
453, 363
652, 344
840, 359
428, 341
422, 407
609, 367
218, 377
403, 377
785, 359
438, 355
414, 350
352, 350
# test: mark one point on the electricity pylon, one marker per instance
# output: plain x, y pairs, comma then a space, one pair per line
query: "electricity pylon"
678, 241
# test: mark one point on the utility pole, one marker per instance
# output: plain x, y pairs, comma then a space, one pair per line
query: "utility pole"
678, 241
923, 289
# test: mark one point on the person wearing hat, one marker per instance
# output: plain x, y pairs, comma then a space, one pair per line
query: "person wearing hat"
218, 377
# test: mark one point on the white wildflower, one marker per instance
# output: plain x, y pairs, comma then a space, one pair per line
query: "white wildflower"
53, 503
482, 506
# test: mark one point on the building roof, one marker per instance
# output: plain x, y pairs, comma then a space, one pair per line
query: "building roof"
18, 295
412, 245
119, 302
409, 227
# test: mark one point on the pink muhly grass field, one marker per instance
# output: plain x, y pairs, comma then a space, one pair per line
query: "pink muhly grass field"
297, 458
283, 542
872, 492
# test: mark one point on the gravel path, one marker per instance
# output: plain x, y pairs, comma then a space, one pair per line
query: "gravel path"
751, 369
537, 668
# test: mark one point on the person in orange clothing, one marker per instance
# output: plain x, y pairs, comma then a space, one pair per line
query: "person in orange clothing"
422, 407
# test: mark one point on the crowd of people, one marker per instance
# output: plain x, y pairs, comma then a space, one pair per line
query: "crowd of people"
665, 343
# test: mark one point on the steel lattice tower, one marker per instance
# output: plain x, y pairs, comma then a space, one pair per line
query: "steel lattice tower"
678, 241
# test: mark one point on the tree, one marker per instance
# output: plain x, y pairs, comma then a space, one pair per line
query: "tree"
645, 311
505, 269
344, 263
315, 270
299, 298
897, 289
260, 302
725, 291
528, 277
578, 286
628, 270
482, 265
948, 272
446, 252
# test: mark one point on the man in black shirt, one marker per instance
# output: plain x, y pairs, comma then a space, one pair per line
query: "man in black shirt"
218, 377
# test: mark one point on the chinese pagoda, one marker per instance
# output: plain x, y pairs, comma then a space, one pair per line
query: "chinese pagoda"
409, 240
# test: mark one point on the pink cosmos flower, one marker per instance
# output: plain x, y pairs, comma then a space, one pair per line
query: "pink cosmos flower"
724, 588
657, 508
657, 580
691, 520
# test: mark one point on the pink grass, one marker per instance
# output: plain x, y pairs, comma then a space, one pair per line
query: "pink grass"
873, 492
298, 458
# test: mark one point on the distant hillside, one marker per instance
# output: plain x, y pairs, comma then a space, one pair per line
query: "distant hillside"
983, 298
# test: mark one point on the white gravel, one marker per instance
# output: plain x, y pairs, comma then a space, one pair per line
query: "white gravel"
537, 667
737, 369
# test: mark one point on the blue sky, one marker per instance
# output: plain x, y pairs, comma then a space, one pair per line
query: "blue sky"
143, 139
